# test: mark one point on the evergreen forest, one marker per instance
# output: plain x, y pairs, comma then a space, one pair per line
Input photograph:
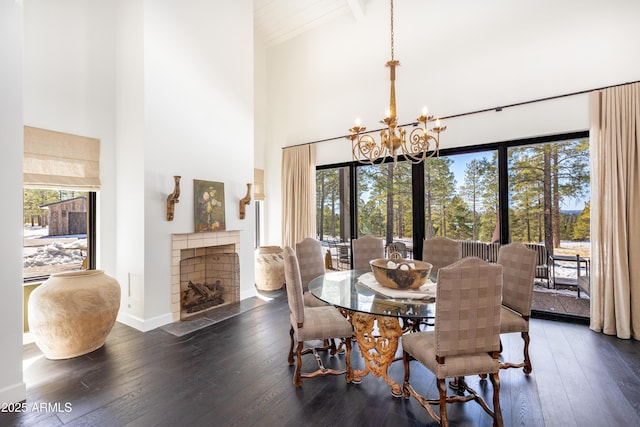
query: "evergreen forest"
461, 201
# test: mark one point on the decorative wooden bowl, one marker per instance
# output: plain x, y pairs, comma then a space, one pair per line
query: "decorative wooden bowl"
400, 274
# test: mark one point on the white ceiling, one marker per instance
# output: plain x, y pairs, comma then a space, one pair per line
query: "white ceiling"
276, 21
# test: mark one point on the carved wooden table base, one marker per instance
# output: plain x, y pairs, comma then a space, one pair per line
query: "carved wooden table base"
378, 351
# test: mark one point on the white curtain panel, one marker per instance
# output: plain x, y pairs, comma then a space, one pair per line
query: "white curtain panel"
615, 211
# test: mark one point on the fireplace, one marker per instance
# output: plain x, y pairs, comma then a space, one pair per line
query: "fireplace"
205, 272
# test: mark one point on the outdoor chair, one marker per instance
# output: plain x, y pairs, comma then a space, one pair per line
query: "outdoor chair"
466, 339
340, 253
312, 324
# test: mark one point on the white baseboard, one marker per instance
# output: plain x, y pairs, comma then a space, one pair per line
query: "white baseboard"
144, 325
13, 393
248, 294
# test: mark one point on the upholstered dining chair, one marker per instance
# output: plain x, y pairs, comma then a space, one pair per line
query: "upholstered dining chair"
519, 270
441, 251
311, 263
365, 249
311, 324
466, 339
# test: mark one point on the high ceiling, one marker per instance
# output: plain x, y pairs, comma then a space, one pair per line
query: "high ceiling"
276, 21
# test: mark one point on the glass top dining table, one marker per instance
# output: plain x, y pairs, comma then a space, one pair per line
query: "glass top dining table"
342, 289
375, 318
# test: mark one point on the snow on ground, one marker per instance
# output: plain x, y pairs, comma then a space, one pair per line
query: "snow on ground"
56, 253
41, 250
35, 232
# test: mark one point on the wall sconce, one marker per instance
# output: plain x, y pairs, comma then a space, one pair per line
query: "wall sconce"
245, 201
173, 198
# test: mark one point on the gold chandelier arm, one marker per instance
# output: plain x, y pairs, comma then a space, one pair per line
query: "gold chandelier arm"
365, 149
419, 145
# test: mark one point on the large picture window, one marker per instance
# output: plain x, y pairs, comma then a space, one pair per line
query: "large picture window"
534, 191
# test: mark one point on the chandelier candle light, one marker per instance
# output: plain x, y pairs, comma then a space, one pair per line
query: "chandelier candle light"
367, 150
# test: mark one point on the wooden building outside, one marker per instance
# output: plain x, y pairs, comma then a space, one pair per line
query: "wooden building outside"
67, 217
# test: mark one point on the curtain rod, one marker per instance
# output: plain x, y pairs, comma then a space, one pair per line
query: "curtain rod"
496, 109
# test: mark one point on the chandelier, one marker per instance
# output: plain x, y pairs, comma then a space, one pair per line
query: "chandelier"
393, 138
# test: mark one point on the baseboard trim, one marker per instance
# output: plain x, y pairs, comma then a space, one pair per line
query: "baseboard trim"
14, 393
144, 325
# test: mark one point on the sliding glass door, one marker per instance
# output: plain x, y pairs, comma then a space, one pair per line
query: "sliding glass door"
540, 187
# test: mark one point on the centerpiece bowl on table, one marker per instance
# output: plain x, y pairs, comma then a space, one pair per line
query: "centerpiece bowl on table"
400, 273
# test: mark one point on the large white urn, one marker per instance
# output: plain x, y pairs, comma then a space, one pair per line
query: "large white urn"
72, 313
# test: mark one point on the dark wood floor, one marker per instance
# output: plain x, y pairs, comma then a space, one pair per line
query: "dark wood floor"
234, 373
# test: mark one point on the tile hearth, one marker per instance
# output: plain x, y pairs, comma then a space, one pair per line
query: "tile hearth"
212, 317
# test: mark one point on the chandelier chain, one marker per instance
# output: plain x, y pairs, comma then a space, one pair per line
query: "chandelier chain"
392, 50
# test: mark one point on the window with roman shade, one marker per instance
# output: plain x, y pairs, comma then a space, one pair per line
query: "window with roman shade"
61, 174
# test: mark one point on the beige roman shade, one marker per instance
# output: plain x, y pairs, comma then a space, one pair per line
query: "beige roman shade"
258, 184
60, 160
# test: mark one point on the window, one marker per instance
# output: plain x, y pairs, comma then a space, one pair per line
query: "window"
259, 226
384, 201
56, 232
549, 209
61, 174
540, 186
461, 196
333, 204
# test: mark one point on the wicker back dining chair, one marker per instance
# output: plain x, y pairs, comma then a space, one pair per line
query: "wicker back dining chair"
365, 249
311, 324
519, 270
441, 252
466, 339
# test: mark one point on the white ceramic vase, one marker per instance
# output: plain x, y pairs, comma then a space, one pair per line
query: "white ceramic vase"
72, 313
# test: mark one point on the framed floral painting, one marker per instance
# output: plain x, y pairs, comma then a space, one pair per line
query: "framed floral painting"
208, 205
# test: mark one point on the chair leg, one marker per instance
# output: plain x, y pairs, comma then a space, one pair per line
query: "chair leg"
347, 359
407, 373
526, 365
527, 361
297, 374
442, 388
497, 411
290, 358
